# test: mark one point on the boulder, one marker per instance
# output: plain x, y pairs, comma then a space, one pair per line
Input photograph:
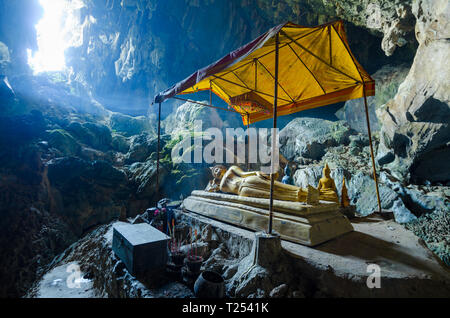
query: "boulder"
86, 193
415, 123
362, 193
129, 125
91, 154
308, 175
120, 143
143, 176
279, 291
310, 137
416, 152
93, 134
142, 146
401, 213
421, 202
185, 116
64, 142
361, 190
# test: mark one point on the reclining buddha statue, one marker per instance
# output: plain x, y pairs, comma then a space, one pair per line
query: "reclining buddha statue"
304, 215
257, 184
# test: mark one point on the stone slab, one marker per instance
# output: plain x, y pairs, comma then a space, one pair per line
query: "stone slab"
287, 207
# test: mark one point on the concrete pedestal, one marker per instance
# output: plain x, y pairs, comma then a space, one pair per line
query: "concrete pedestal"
266, 249
298, 222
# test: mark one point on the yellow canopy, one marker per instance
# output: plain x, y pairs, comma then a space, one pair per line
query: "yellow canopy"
316, 68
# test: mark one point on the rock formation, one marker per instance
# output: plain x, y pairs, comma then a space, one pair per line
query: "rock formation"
415, 131
387, 80
77, 148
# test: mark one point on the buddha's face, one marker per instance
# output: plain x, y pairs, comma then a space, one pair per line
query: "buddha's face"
218, 172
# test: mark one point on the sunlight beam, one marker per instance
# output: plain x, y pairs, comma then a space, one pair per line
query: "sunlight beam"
50, 38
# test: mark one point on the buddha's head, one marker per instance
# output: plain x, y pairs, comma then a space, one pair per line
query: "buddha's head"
218, 171
326, 171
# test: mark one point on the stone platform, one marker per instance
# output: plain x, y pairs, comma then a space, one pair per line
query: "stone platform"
295, 221
339, 268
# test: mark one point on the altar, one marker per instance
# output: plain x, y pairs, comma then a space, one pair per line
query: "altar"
298, 222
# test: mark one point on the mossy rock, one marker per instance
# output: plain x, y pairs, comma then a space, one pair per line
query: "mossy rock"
130, 126
64, 142
120, 143
93, 134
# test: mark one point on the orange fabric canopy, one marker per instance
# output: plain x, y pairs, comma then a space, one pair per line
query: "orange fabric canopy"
316, 68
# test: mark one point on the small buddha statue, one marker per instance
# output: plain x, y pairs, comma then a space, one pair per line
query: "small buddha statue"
327, 187
257, 184
287, 179
345, 201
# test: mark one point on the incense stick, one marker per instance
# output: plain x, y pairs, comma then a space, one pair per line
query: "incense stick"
190, 236
195, 244
171, 241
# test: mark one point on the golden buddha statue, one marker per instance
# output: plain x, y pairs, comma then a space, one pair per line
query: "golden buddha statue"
345, 201
257, 184
327, 187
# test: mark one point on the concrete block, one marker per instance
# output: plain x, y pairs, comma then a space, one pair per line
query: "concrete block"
141, 247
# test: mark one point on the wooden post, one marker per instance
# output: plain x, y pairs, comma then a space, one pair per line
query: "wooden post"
275, 97
371, 148
157, 154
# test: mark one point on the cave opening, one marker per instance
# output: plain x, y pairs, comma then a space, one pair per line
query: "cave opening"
56, 31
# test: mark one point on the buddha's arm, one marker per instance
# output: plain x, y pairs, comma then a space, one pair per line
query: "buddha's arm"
241, 173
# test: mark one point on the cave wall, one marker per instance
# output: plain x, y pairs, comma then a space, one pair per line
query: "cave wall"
415, 133
131, 50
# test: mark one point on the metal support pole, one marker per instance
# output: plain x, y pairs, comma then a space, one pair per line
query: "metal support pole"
371, 148
275, 97
248, 142
210, 94
157, 154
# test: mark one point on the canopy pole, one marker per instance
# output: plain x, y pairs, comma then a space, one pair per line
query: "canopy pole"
248, 142
275, 97
371, 147
157, 153
210, 94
